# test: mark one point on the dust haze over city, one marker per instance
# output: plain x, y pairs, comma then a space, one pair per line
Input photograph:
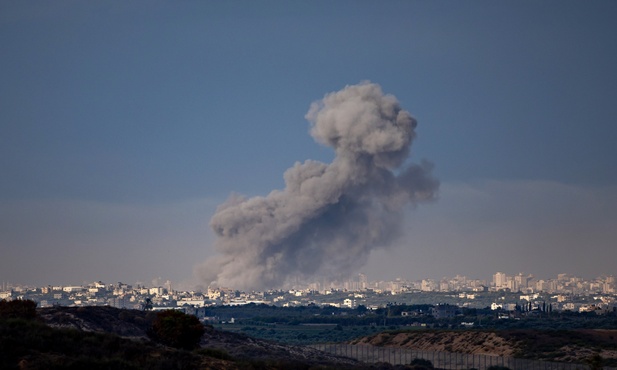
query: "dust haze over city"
250, 144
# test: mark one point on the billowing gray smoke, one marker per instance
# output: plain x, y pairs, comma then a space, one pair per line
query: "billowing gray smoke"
329, 216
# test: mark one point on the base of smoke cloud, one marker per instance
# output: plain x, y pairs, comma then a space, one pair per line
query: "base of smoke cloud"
328, 217
476, 229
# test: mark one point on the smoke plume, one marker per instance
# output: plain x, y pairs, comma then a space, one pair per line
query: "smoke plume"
328, 217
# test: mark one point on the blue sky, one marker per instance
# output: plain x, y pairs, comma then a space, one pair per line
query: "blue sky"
124, 124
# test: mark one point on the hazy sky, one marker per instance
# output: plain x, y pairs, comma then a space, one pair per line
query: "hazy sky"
124, 124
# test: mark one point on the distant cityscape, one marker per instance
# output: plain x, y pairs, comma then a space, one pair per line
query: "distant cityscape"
504, 292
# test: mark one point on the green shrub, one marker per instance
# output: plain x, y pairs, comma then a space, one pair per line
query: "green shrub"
176, 329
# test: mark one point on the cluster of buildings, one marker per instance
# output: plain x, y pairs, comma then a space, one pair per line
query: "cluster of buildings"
563, 284
504, 292
525, 283
123, 295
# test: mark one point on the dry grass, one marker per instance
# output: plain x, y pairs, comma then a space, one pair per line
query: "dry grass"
554, 345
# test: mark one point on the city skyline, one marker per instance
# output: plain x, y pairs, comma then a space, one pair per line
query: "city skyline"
125, 125
506, 293
519, 282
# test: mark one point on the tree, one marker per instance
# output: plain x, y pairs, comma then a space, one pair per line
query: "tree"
147, 305
361, 309
176, 329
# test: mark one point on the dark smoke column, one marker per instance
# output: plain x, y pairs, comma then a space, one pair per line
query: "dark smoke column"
329, 216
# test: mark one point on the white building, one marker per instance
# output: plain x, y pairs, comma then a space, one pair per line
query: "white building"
500, 280
73, 289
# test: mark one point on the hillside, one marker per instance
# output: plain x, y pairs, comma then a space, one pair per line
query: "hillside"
551, 345
105, 338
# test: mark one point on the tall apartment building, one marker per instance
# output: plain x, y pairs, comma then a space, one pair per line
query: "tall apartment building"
500, 280
363, 280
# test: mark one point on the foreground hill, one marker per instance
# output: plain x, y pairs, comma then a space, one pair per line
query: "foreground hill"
135, 324
551, 345
110, 338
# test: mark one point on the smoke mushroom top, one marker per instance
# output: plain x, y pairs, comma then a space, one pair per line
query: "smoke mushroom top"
329, 217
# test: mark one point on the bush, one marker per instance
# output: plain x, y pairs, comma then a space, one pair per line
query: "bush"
595, 362
176, 329
18, 309
420, 363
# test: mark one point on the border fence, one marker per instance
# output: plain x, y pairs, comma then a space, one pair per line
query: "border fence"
441, 360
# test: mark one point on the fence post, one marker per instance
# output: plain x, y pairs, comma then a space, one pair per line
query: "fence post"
455, 360
433, 356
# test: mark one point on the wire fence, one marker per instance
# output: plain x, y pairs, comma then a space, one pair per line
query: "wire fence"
441, 360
